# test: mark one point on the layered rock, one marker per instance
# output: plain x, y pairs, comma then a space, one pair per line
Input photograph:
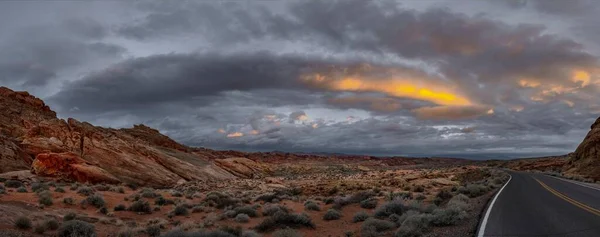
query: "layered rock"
586, 159
71, 167
243, 167
29, 129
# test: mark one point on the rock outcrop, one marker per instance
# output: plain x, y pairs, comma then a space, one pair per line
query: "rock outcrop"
71, 167
585, 160
78, 150
243, 167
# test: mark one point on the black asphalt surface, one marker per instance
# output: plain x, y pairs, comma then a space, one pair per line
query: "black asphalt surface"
526, 208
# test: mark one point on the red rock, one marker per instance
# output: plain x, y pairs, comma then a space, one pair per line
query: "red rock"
71, 167
586, 159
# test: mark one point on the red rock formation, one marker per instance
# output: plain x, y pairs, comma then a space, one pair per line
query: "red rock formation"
243, 167
586, 159
70, 166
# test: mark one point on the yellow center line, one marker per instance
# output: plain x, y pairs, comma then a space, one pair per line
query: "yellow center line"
568, 199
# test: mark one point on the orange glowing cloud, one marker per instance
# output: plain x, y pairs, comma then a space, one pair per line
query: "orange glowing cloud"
452, 112
254, 132
582, 77
235, 134
413, 88
221, 131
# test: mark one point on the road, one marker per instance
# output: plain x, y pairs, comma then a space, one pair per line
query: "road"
540, 205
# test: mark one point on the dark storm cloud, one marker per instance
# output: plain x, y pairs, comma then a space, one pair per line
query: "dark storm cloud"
374, 77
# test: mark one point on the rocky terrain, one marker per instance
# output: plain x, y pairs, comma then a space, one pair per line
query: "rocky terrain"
585, 160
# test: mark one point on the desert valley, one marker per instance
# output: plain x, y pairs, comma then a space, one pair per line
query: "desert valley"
71, 178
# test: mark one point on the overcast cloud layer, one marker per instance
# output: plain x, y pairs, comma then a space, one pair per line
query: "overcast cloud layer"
480, 79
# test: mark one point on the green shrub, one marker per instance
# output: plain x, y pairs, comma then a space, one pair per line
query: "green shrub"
23, 223
360, 216
69, 216
85, 191
22, 190
414, 225
149, 193
332, 214
282, 219
68, 201
221, 200
153, 230
329, 200
95, 200
39, 228
355, 198
13, 183
370, 203
161, 201
51, 224
180, 210
269, 210
120, 207
248, 210
140, 206
77, 228
287, 232
373, 227
59, 189
393, 207
311, 206
45, 198
447, 216
242, 218
38, 187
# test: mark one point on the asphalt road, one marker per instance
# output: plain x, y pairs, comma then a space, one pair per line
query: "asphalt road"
540, 205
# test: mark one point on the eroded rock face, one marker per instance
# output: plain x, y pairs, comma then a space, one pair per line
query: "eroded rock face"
243, 167
138, 155
70, 166
586, 159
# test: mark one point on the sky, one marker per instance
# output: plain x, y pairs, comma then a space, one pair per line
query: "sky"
476, 79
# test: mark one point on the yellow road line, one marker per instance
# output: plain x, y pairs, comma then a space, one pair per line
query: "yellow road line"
568, 199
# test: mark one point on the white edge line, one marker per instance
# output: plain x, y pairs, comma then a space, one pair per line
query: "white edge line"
577, 183
481, 231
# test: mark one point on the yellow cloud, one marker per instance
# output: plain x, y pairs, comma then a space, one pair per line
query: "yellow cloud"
254, 132
581, 76
235, 134
221, 130
413, 88
452, 112
315, 125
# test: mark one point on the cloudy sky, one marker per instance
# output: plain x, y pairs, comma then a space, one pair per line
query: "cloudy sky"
480, 79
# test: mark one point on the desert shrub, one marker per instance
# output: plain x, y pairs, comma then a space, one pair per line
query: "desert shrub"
269, 210
414, 226
473, 190
283, 219
39, 228
235, 231
360, 216
373, 227
180, 210
45, 198
95, 200
101, 187
370, 203
103, 210
161, 201
175, 193
269, 197
248, 210
459, 201
23, 223
354, 198
221, 200
287, 232
11, 183
332, 214
399, 195
51, 224
140, 206
38, 187
68, 201
393, 207
77, 228
311, 206
22, 190
242, 218
329, 200
420, 197
85, 191
59, 189
153, 230
447, 216
149, 193
120, 207
69, 216
197, 209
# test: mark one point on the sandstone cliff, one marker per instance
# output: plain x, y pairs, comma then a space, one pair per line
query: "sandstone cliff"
80, 151
586, 159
